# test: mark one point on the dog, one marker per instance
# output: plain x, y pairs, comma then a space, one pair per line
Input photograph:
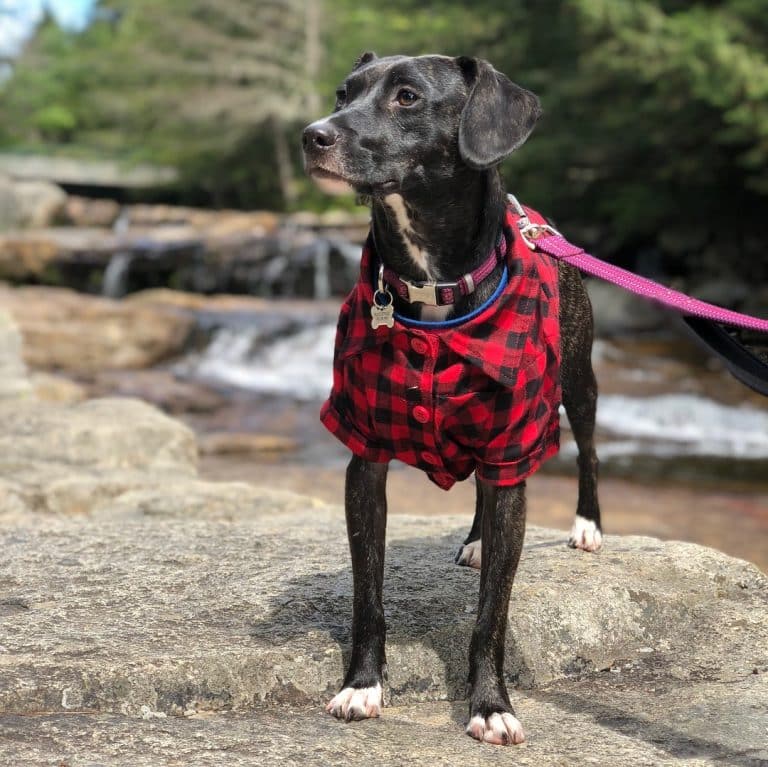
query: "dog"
421, 138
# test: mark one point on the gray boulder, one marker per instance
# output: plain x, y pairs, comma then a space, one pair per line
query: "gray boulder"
68, 457
151, 608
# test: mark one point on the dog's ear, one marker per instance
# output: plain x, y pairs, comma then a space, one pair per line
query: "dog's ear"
497, 118
364, 59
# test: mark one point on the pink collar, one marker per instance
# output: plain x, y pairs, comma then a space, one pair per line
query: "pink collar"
445, 293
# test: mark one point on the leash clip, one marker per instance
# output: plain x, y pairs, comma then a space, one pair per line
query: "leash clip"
529, 232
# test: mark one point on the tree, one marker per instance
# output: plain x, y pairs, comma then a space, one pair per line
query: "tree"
654, 137
171, 81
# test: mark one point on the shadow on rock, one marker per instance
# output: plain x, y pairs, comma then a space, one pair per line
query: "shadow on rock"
430, 606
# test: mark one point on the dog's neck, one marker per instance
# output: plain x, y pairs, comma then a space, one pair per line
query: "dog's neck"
426, 235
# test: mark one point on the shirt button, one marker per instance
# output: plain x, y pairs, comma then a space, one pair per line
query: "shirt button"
419, 346
430, 458
420, 413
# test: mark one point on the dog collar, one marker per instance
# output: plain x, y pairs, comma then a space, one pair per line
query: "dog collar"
446, 293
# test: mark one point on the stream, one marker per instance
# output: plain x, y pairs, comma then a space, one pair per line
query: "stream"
666, 409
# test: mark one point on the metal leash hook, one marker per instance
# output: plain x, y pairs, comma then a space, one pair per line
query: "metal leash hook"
530, 232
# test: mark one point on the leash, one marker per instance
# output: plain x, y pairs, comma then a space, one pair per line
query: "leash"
699, 315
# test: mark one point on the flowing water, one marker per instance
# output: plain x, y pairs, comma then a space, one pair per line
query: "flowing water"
670, 412
683, 446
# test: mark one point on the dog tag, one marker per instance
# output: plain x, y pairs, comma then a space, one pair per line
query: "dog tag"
382, 311
382, 315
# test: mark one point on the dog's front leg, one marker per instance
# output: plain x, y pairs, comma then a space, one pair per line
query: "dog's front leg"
491, 717
366, 509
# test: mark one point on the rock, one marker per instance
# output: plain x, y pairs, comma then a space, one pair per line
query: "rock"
222, 221
29, 203
573, 727
147, 628
351, 226
13, 373
617, 311
226, 443
25, 255
53, 388
75, 333
160, 387
198, 499
90, 212
237, 600
215, 310
42, 443
80, 255
196, 302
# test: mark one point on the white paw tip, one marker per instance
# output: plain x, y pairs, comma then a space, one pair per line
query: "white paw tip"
356, 703
470, 554
585, 535
501, 729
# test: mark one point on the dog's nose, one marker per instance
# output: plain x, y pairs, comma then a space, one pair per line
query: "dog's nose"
319, 135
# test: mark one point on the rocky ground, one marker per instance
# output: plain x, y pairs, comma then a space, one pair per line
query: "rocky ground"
149, 616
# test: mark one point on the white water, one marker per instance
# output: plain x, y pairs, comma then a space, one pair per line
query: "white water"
674, 424
300, 366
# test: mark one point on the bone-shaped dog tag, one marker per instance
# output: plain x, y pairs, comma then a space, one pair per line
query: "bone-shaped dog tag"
382, 311
382, 315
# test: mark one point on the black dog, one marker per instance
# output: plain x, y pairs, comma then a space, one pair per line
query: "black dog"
421, 138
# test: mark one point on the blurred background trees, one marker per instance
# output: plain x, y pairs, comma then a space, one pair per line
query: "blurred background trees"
653, 144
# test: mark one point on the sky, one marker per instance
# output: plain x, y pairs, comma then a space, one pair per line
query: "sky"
18, 18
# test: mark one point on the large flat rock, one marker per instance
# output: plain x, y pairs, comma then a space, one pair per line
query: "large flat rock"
241, 601
153, 631
568, 725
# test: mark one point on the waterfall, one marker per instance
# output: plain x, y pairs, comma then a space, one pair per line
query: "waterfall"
114, 282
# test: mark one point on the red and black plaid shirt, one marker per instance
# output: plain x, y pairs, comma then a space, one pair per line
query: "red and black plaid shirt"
482, 395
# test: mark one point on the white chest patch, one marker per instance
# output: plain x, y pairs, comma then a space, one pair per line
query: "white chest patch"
420, 257
434, 313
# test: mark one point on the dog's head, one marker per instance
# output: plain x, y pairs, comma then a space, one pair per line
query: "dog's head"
403, 122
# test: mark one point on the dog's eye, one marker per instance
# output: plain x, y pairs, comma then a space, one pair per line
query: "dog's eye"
341, 97
406, 97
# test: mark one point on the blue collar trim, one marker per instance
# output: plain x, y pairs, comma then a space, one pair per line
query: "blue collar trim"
454, 321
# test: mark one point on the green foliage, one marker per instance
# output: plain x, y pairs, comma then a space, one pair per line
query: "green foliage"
655, 127
55, 122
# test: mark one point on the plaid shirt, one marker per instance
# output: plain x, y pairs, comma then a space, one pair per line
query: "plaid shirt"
479, 396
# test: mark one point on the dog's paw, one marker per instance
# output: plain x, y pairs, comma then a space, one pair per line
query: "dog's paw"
470, 554
585, 535
356, 703
502, 728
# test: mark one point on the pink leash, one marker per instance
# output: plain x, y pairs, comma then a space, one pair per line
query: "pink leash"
548, 240
556, 245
